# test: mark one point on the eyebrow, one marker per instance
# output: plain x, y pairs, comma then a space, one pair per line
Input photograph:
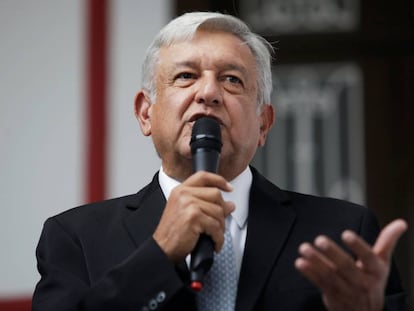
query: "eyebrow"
186, 63
233, 66
223, 67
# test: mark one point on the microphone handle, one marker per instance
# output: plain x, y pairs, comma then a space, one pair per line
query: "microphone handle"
202, 256
205, 159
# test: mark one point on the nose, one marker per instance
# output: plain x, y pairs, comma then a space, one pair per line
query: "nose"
209, 91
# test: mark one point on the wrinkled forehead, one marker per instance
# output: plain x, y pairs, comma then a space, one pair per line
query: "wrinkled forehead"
200, 32
213, 49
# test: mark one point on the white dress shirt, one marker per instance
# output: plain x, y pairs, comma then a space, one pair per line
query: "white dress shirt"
237, 221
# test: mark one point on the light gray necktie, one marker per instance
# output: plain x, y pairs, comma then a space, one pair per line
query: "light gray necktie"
220, 284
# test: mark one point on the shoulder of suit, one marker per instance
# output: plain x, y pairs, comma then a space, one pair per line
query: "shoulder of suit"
113, 206
302, 200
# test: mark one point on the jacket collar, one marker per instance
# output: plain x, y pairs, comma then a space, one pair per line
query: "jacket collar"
270, 221
147, 206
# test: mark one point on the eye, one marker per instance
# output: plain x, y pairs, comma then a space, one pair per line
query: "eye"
233, 79
185, 76
232, 84
184, 79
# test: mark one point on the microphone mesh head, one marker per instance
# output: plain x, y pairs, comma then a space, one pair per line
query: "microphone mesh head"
206, 134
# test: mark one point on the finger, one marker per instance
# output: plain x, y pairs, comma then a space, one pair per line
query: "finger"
321, 271
203, 217
228, 208
192, 197
216, 212
313, 264
206, 215
208, 194
362, 250
344, 263
212, 201
207, 179
383, 247
211, 210
388, 238
217, 235
332, 288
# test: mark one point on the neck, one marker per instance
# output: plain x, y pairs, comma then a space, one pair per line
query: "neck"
178, 172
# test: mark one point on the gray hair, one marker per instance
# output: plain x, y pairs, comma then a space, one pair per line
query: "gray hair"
184, 27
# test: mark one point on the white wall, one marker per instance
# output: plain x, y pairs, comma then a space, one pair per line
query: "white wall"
42, 130
132, 158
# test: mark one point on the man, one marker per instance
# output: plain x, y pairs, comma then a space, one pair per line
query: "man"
132, 253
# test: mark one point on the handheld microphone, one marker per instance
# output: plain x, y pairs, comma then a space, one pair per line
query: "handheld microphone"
205, 149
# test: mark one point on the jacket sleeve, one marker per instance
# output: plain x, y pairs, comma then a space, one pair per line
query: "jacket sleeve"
146, 279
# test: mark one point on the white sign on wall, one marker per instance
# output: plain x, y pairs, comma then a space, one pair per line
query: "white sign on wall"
317, 143
301, 16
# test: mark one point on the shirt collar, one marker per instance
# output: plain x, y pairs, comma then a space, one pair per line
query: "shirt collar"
239, 196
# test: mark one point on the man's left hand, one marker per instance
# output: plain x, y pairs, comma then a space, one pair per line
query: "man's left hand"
347, 283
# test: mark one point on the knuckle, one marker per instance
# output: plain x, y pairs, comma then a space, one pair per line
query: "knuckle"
215, 229
201, 174
193, 213
217, 226
217, 193
179, 191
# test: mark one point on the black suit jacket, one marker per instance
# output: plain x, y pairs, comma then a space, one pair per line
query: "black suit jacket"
102, 256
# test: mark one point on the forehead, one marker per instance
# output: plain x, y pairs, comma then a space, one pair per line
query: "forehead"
209, 48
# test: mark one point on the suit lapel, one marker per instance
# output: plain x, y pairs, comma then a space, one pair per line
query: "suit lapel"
269, 224
147, 207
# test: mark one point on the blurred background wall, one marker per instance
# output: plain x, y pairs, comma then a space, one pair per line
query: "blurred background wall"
343, 80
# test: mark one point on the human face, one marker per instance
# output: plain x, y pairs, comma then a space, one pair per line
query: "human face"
214, 74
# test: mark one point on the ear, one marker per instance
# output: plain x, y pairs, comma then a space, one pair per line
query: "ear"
267, 118
143, 108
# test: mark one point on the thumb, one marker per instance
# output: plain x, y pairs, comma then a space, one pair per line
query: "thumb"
388, 238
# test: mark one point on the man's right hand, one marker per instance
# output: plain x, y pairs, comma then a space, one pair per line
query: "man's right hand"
194, 207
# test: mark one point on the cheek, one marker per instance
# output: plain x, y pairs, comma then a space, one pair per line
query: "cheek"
176, 108
243, 133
